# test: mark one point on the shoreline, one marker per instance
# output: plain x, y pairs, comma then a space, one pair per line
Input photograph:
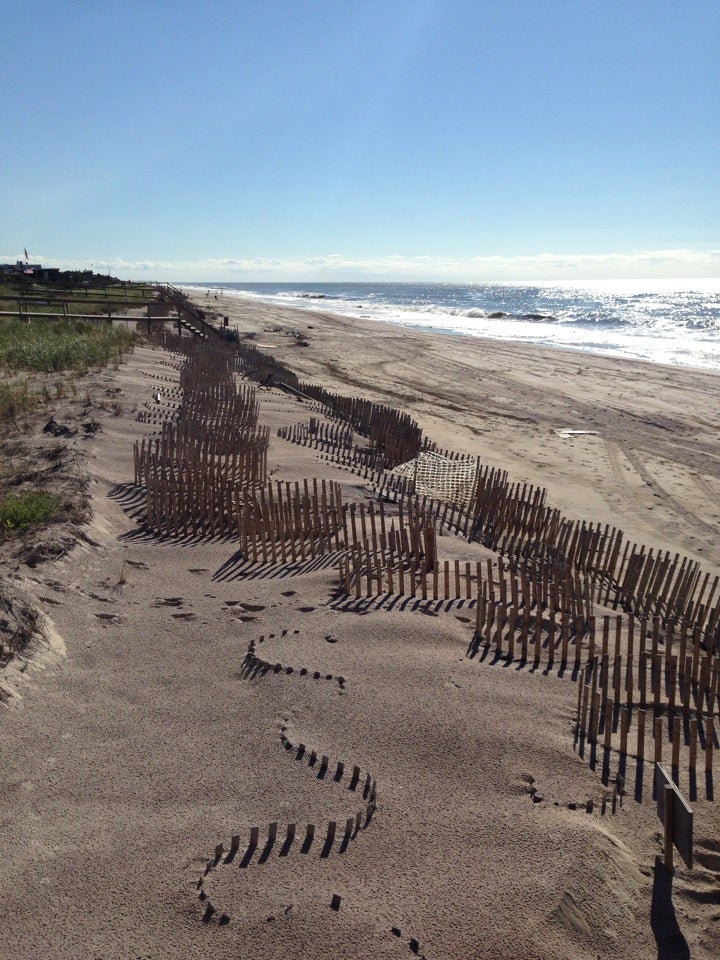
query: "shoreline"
623, 329
648, 463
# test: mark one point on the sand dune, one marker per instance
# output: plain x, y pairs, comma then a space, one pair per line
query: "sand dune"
197, 688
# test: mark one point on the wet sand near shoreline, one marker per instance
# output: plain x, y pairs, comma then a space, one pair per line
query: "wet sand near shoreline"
126, 764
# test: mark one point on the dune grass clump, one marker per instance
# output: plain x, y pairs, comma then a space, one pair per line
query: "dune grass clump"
54, 345
15, 397
20, 511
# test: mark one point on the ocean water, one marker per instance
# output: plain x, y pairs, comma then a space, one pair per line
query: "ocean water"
665, 321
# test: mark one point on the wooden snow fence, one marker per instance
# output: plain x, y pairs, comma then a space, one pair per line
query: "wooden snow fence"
516, 522
290, 522
400, 557
669, 697
263, 368
197, 471
511, 519
637, 679
335, 440
393, 437
220, 416
197, 486
242, 460
191, 499
221, 438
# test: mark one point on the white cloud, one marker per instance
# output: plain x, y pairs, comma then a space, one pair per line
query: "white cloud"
660, 264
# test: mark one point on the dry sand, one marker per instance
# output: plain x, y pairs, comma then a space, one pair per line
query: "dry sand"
125, 763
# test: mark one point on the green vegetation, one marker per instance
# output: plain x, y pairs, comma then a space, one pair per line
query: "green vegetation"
19, 511
52, 345
59, 345
15, 397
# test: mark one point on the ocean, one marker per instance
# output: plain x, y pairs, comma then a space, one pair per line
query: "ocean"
664, 321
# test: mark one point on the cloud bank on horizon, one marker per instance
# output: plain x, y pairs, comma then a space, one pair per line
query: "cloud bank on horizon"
642, 264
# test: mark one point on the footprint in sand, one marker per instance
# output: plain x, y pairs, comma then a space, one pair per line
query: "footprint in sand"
169, 602
184, 616
288, 593
305, 609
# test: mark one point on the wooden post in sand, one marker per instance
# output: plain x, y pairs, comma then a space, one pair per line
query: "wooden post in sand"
671, 677
692, 759
499, 623
605, 673
640, 752
479, 612
579, 706
512, 619
704, 681
696, 654
564, 638
675, 747
668, 839
642, 676
658, 730
682, 653
609, 713
551, 640
617, 677
606, 636
584, 706
656, 681
676, 816
709, 744
358, 576
489, 622
594, 717
687, 685
715, 689
524, 635
624, 725
538, 635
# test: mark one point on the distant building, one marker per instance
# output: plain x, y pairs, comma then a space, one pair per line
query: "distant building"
35, 270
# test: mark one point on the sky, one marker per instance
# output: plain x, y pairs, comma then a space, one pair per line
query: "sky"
463, 140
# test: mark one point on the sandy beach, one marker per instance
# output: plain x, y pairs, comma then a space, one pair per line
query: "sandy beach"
147, 738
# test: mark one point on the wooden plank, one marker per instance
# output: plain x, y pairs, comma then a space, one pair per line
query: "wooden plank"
680, 817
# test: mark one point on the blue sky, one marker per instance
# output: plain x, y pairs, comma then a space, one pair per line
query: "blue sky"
401, 139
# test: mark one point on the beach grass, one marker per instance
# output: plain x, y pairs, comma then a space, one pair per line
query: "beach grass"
21, 511
50, 346
16, 396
